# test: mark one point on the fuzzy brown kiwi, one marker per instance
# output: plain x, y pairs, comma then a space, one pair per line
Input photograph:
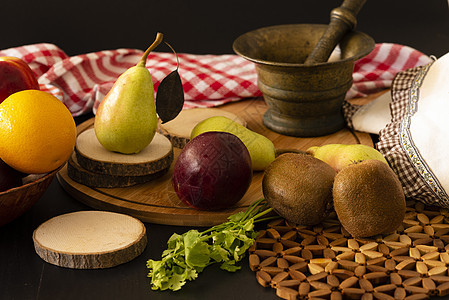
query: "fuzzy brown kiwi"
299, 188
368, 199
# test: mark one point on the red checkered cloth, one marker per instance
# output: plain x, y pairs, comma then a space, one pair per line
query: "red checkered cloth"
82, 81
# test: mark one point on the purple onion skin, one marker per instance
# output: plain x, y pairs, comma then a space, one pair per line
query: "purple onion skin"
213, 171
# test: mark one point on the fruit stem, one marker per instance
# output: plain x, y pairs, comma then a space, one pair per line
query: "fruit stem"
176, 54
156, 42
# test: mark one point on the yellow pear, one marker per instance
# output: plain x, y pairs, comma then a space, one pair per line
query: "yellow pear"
339, 156
260, 148
126, 118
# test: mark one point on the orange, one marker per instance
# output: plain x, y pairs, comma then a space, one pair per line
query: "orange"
37, 132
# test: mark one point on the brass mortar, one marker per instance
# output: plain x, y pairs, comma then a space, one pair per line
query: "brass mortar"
303, 100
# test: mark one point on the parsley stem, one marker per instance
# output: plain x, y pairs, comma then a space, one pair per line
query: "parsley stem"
261, 214
250, 209
267, 219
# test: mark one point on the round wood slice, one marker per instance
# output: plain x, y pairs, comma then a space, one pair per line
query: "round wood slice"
92, 156
178, 130
90, 239
86, 177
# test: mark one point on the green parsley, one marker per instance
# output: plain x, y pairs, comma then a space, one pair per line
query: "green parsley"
188, 254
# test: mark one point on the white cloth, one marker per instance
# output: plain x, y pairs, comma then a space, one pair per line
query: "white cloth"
373, 116
429, 125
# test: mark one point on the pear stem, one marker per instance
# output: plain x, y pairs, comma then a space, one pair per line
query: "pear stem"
156, 42
173, 50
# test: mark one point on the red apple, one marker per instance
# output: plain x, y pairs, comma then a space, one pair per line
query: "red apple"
213, 171
15, 76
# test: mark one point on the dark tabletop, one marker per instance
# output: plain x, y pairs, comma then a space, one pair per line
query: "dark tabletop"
191, 27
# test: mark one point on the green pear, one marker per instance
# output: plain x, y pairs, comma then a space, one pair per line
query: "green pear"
339, 156
260, 148
126, 118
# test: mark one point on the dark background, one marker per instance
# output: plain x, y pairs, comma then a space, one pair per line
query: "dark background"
200, 27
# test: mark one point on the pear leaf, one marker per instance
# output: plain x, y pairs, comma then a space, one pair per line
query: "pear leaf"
170, 97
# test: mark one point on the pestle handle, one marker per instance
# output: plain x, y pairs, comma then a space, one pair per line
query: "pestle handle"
342, 19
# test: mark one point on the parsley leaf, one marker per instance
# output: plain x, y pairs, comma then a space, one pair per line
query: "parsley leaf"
188, 254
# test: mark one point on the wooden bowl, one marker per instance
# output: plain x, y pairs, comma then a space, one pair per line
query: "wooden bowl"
16, 201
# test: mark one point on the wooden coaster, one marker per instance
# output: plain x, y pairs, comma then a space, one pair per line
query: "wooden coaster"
178, 130
88, 178
92, 156
90, 239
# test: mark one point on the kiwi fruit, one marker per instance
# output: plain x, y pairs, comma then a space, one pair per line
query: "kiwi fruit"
368, 199
299, 188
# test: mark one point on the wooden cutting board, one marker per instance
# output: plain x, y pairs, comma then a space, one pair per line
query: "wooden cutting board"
156, 201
